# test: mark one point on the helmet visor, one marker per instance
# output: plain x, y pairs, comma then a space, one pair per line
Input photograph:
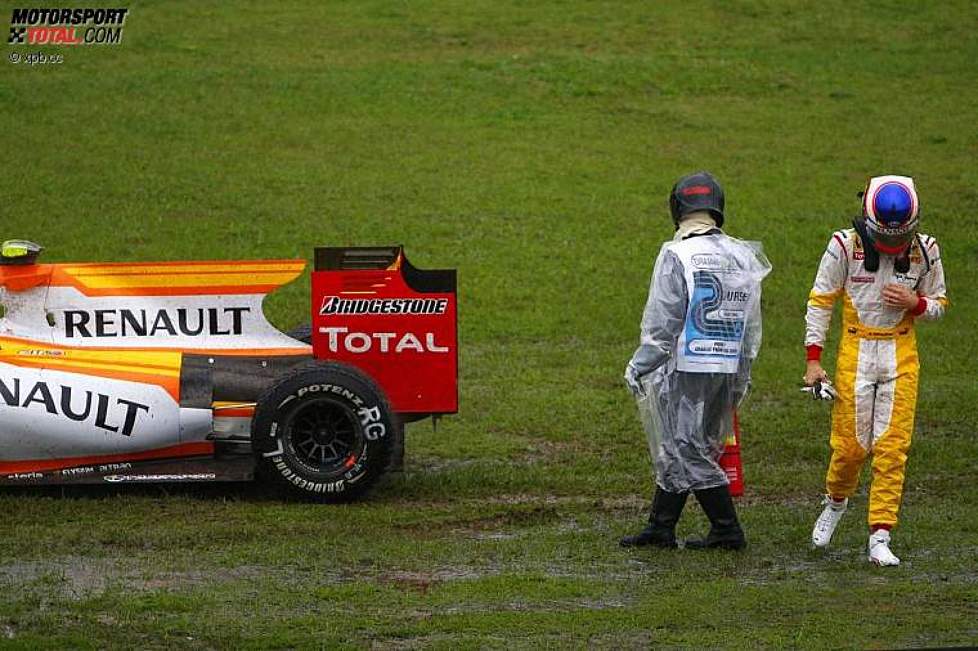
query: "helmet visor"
891, 240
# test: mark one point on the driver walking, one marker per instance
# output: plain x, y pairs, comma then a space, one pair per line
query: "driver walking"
888, 276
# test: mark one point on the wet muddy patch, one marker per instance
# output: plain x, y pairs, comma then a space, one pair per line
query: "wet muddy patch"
422, 582
79, 578
496, 524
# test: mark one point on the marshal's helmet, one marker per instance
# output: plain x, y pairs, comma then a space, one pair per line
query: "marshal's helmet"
890, 212
696, 192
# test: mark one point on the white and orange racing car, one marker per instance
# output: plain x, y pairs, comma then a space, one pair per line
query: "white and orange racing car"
170, 372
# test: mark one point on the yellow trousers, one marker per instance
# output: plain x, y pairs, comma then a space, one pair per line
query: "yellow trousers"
876, 379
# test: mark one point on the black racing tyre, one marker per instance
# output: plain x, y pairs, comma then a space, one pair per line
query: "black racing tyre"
323, 432
302, 332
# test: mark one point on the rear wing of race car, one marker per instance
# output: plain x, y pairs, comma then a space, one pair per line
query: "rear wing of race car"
374, 310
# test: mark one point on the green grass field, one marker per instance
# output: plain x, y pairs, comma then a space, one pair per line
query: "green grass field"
532, 146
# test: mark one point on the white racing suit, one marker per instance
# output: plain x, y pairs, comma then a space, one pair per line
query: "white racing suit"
701, 330
877, 366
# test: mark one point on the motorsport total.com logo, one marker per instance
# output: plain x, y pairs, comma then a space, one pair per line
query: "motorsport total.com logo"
64, 26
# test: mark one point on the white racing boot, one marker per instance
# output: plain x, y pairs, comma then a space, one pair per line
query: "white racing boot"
826, 523
879, 549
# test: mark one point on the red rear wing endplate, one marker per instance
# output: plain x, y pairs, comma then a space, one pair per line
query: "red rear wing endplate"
373, 310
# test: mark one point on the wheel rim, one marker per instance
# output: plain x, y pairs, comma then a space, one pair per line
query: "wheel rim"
324, 435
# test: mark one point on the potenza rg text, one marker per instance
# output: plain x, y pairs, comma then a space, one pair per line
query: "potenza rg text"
66, 26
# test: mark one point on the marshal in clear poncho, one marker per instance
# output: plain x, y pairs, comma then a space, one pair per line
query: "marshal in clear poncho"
700, 332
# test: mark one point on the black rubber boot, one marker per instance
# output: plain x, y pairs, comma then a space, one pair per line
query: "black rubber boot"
661, 531
725, 531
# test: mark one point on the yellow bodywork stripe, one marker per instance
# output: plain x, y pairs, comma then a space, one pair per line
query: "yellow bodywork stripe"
147, 362
151, 269
189, 280
54, 363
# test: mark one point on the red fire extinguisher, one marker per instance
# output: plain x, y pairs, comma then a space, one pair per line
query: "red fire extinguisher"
730, 460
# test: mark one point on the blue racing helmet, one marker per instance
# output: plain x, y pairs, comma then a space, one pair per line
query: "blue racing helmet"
890, 210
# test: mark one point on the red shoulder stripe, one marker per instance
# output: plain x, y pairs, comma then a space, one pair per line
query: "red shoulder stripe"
842, 244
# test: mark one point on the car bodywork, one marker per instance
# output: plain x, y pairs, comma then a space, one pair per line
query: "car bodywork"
128, 372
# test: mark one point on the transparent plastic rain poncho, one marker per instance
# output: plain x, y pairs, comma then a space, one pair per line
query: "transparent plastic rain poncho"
695, 355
